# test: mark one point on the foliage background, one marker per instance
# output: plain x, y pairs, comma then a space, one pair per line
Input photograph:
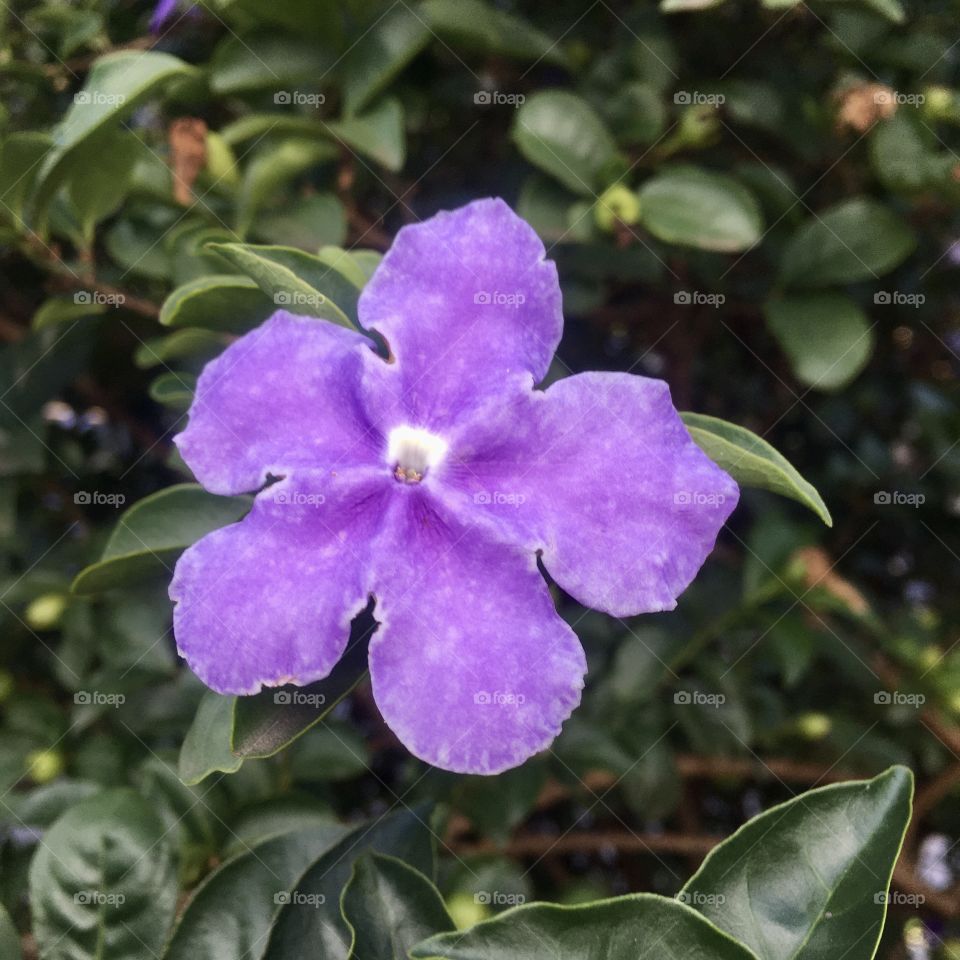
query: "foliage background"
799, 281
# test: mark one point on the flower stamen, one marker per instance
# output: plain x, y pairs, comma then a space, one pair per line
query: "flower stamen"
412, 451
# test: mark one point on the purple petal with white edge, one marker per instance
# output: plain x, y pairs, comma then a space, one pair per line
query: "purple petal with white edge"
471, 667
283, 396
464, 299
599, 473
269, 600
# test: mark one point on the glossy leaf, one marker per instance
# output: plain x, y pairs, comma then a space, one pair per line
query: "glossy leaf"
234, 304
698, 208
808, 879
154, 531
752, 462
377, 134
381, 52
174, 389
640, 926
296, 281
564, 136
115, 86
207, 747
102, 883
390, 907
231, 913
405, 834
858, 239
827, 337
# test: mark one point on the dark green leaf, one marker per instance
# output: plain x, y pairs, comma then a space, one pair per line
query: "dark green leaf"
102, 883
234, 304
390, 907
809, 878
636, 927
378, 133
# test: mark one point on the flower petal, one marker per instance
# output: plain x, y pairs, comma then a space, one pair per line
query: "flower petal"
282, 396
600, 474
269, 600
472, 668
464, 299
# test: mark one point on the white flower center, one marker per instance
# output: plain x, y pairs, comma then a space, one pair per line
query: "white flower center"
412, 451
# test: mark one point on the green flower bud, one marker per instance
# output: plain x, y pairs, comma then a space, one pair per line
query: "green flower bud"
814, 726
617, 204
44, 765
44, 612
467, 909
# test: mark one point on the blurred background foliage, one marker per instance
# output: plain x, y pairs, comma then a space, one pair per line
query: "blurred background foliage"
756, 201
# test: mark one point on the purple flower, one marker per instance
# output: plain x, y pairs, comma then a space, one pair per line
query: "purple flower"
432, 482
164, 10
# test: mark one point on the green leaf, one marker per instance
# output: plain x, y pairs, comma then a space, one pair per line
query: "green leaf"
809, 878
297, 281
269, 721
20, 156
752, 462
174, 389
564, 136
59, 311
206, 747
377, 134
234, 304
477, 26
313, 222
102, 883
99, 177
640, 926
381, 53
115, 86
696, 208
271, 169
228, 730
858, 239
231, 913
827, 337
179, 345
405, 834
266, 61
390, 907
9, 939
154, 531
